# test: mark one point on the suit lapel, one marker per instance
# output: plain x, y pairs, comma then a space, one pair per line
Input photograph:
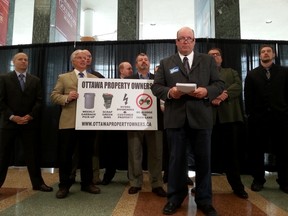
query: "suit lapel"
28, 81
196, 61
178, 62
73, 78
15, 79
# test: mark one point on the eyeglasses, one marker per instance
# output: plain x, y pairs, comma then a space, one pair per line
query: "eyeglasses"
183, 39
214, 54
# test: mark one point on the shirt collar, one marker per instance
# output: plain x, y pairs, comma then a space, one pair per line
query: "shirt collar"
190, 57
144, 77
77, 72
18, 73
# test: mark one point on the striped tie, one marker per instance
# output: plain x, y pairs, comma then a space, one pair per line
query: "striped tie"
186, 64
81, 75
22, 82
268, 75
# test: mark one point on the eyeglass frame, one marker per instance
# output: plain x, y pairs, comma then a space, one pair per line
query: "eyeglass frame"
188, 39
215, 54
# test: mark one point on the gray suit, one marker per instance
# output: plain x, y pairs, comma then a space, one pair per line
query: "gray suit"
204, 74
188, 120
153, 140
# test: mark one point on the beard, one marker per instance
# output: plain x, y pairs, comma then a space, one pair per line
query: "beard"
144, 66
266, 60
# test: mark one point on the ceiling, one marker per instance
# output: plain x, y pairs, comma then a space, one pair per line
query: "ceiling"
162, 18
259, 19
264, 19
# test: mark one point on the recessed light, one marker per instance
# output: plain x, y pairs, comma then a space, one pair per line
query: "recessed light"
268, 21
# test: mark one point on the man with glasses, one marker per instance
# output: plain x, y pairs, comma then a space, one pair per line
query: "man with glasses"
228, 122
188, 119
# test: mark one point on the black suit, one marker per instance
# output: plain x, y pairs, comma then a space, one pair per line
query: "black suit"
14, 101
266, 104
95, 73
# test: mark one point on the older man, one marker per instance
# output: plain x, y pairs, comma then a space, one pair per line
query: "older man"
65, 94
188, 117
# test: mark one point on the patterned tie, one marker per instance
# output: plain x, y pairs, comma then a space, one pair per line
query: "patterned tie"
186, 64
81, 75
22, 82
268, 75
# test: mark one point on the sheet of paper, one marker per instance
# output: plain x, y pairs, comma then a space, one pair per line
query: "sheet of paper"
186, 87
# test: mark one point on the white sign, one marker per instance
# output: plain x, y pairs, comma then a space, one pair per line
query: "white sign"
116, 104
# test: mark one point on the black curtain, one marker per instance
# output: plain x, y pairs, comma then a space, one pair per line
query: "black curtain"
47, 61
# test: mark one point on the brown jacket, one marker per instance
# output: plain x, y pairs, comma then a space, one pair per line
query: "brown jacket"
66, 82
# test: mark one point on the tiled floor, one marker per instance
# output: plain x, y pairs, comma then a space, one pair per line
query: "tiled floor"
17, 198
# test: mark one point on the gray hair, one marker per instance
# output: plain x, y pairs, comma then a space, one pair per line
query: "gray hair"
76, 52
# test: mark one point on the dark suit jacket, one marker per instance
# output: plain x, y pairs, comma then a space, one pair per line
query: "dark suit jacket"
262, 95
95, 73
197, 111
15, 102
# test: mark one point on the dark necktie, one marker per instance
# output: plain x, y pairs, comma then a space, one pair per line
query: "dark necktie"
268, 75
22, 82
81, 75
186, 64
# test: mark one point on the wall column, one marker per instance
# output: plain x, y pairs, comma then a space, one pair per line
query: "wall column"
128, 20
227, 19
41, 22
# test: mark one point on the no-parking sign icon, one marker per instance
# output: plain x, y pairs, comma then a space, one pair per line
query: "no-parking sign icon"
144, 101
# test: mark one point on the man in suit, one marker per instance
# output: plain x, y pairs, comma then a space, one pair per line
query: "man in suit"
188, 116
89, 67
228, 122
136, 141
20, 106
266, 105
98, 136
125, 70
65, 94
115, 143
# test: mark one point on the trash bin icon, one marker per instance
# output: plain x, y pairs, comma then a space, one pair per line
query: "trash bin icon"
89, 100
107, 100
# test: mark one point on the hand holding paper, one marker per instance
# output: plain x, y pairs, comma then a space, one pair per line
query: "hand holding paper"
186, 87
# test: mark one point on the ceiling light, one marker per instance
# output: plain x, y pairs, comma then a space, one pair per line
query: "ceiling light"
268, 21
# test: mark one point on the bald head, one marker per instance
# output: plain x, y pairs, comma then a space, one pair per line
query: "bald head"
20, 61
185, 41
125, 69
